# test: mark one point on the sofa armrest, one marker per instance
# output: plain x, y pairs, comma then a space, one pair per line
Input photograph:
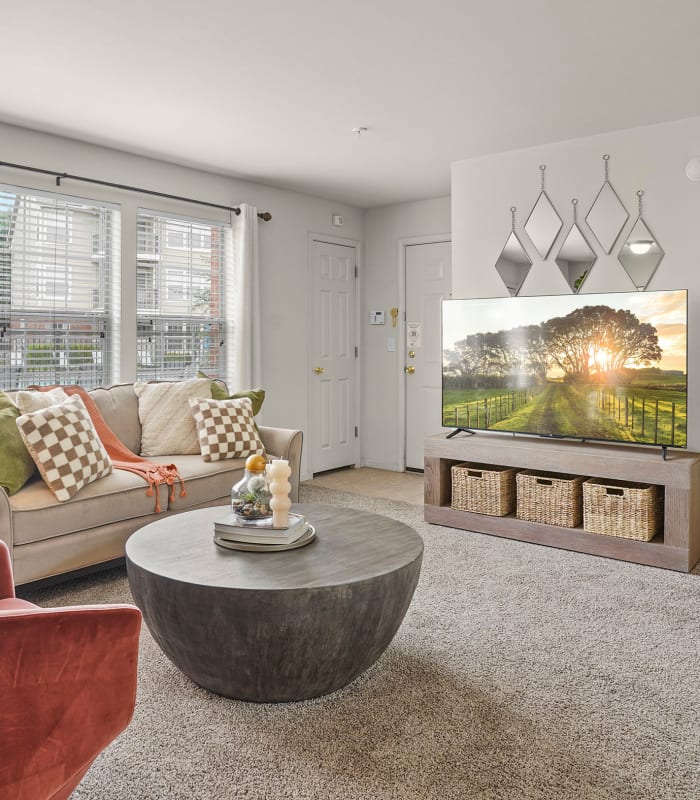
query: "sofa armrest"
68, 688
285, 443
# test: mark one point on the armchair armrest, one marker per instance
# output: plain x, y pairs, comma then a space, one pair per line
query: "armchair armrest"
6, 534
7, 584
67, 689
285, 443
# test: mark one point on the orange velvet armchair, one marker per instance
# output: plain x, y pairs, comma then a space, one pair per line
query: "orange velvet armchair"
67, 689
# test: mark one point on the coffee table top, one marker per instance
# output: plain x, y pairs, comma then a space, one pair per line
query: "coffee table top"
350, 546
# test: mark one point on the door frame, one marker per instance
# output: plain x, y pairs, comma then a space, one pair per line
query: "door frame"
401, 334
357, 244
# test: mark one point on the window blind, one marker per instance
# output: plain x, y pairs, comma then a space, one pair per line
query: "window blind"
59, 299
179, 297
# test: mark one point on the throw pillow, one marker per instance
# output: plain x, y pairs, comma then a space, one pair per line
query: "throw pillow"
219, 391
167, 427
65, 447
32, 401
226, 428
16, 465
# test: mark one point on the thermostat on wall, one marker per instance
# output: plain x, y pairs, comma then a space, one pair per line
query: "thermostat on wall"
376, 317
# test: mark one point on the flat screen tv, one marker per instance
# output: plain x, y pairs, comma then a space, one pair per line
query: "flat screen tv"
608, 367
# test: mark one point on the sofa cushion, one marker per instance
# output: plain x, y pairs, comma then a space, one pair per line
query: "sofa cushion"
219, 391
65, 447
16, 465
226, 428
119, 407
167, 426
205, 481
119, 496
28, 400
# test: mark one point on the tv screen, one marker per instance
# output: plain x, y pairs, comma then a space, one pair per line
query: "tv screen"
609, 367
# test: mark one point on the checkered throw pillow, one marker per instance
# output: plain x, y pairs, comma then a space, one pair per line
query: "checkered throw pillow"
65, 447
225, 428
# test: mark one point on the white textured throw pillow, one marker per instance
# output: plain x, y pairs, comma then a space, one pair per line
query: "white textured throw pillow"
167, 426
29, 400
65, 447
226, 428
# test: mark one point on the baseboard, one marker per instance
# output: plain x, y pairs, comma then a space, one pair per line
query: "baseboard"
381, 465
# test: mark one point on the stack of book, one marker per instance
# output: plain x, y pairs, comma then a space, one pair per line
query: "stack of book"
233, 528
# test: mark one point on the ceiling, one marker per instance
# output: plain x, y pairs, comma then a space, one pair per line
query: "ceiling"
270, 91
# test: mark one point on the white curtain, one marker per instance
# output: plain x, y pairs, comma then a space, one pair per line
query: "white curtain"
243, 303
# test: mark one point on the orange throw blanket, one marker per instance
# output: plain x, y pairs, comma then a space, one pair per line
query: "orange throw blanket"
122, 457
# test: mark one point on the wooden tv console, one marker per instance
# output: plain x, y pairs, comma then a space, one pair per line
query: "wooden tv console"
676, 547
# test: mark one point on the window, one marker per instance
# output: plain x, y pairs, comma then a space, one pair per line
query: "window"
180, 236
179, 297
54, 225
58, 289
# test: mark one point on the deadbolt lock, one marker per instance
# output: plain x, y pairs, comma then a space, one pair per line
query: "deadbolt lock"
318, 370
409, 370
411, 353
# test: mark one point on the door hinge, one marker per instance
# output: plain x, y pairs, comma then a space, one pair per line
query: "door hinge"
355, 351
356, 431
356, 272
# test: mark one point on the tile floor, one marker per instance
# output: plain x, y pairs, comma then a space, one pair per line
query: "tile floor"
407, 486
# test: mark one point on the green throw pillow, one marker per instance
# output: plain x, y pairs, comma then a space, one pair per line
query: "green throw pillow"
220, 392
16, 465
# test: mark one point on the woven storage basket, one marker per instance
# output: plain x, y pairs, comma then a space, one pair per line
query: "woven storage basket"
621, 508
483, 488
549, 497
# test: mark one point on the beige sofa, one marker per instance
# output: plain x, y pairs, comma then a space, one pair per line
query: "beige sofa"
49, 539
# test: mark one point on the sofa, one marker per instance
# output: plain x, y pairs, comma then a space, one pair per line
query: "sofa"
48, 539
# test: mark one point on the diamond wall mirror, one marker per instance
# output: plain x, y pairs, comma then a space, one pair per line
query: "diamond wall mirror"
576, 257
641, 253
607, 215
544, 223
514, 263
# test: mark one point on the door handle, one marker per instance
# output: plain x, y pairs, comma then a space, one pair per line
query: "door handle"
318, 370
409, 370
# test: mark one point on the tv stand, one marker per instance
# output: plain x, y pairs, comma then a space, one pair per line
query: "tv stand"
676, 547
460, 430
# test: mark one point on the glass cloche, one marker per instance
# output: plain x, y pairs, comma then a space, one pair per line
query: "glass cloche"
250, 497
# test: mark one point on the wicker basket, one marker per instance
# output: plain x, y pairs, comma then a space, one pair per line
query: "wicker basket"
549, 497
621, 508
483, 488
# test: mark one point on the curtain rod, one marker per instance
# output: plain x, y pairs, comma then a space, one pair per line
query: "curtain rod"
265, 216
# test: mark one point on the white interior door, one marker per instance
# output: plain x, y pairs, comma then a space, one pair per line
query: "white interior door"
428, 280
333, 354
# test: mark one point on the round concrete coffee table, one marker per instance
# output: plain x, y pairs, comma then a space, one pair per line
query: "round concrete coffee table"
275, 627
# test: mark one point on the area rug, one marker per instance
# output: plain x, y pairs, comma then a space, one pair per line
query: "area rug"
520, 672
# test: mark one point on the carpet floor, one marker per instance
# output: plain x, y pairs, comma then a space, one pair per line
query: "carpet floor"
520, 672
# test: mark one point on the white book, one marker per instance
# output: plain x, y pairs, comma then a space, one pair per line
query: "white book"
278, 536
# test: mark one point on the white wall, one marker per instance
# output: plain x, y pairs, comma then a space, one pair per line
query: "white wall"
652, 158
384, 227
283, 244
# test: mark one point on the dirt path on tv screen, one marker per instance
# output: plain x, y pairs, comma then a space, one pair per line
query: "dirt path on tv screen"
563, 410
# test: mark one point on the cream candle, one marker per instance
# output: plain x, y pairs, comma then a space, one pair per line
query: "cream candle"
278, 472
